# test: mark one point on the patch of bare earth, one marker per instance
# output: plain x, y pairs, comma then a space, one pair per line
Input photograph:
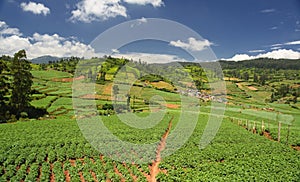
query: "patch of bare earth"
107, 90
67, 79
95, 96
67, 174
119, 173
268, 135
154, 169
296, 147
172, 106
40, 173
81, 177
252, 88
94, 175
52, 177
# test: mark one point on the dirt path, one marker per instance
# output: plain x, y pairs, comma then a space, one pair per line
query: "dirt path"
52, 177
154, 169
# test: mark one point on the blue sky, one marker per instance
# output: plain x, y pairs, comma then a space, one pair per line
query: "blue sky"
233, 28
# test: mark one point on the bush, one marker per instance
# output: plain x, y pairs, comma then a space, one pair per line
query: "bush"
24, 115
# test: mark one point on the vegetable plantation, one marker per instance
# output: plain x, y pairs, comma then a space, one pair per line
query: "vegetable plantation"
55, 150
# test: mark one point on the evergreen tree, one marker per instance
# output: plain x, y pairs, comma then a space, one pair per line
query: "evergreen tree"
246, 76
255, 78
22, 81
4, 89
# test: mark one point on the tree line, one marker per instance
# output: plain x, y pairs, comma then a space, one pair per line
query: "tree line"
263, 63
15, 88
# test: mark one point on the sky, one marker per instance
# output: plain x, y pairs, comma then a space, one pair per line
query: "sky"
231, 29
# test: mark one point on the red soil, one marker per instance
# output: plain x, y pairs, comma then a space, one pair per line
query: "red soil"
172, 106
67, 79
118, 173
154, 169
67, 174
296, 147
52, 177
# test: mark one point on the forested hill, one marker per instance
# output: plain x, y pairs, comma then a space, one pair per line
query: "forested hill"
264, 63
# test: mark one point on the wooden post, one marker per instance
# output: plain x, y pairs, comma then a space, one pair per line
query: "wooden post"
254, 128
247, 124
279, 127
287, 137
262, 126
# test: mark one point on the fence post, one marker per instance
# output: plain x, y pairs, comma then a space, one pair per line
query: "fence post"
279, 127
247, 124
254, 127
287, 137
262, 126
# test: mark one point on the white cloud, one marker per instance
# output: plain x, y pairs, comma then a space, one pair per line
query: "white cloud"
268, 11
276, 54
2, 24
115, 50
139, 22
150, 58
256, 51
5, 30
275, 48
13, 44
97, 10
192, 44
273, 28
154, 3
39, 45
297, 42
143, 20
276, 45
35, 8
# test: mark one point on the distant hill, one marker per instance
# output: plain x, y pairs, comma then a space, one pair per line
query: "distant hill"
264, 63
44, 59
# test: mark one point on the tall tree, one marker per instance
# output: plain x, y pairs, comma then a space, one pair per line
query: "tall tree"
245, 76
22, 81
4, 89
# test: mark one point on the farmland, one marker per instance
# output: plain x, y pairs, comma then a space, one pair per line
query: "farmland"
245, 148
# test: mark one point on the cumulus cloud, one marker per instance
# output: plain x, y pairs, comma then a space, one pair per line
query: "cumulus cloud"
268, 10
95, 10
35, 8
43, 44
192, 44
150, 58
154, 3
276, 54
5, 30
13, 44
